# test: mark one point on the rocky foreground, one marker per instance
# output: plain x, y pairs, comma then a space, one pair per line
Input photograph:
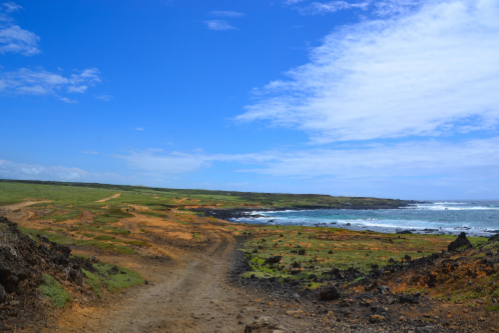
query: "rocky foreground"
453, 291
27, 266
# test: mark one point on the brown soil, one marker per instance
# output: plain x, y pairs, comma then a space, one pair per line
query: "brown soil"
187, 288
109, 198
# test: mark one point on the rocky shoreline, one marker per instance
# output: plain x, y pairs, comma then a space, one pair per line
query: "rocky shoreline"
235, 213
355, 302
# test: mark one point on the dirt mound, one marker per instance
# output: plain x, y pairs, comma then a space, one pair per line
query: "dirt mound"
26, 265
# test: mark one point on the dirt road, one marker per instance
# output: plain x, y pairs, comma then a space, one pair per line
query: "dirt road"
187, 287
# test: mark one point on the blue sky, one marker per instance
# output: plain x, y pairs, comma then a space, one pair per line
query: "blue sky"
386, 98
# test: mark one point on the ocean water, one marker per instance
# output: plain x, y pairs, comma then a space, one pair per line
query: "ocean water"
478, 218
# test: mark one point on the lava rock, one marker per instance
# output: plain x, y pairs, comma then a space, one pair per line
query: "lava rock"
408, 299
273, 260
460, 242
494, 238
330, 293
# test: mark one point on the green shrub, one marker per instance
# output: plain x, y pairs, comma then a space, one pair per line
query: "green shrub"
53, 290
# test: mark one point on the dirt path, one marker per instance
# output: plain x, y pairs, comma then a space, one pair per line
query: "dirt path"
189, 297
19, 205
109, 198
187, 288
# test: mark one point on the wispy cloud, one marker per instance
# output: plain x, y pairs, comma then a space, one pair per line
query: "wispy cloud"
41, 82
218, 25
331, 7
139, 129
106, 98
465, 159
226, 13
428, 73
12, 37
10, 7
154, 162
291, 2
12, 170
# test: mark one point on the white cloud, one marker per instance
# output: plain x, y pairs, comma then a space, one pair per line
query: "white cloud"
74, 89
106, 98
291, 2
218, 25
160, 164
41, 82
91, 152
12, 37
11, 7
391, 7
226, 13
17, 40
12, 170
139, 129
468, 159
331, 7
432, 72
412, 159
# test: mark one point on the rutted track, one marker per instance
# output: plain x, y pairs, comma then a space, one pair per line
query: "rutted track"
189, 297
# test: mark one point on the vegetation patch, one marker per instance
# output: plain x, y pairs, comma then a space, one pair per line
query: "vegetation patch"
307, 252
112, 277
54, 291
62, 239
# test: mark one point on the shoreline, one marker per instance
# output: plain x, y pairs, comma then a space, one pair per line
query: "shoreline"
236, 215
231, 213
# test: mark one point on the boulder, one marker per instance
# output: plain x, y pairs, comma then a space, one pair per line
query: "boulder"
301, 252
460, 242
273, 260
408, 299
330, 293
494, 238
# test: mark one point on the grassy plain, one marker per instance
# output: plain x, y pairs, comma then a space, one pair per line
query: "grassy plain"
83, 196
328, 248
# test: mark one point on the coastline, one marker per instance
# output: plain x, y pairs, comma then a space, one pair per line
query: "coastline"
255, 216
234, 213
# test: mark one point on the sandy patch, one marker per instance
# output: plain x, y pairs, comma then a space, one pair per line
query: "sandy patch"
109, 198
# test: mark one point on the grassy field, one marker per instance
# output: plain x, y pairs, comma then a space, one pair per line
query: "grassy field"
83, 196
324, 249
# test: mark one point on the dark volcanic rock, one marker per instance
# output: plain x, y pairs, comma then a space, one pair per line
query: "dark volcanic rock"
494, 238
273, 260
408, 299
460, 242
330, 293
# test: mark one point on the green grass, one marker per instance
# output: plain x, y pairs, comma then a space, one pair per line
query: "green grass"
54, 291
111, 277
182, 222
61, 217
84, 195
61, 239
350, 249
152, 214
105, 219
94, 282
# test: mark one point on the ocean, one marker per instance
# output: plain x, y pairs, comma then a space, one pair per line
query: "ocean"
476, 218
